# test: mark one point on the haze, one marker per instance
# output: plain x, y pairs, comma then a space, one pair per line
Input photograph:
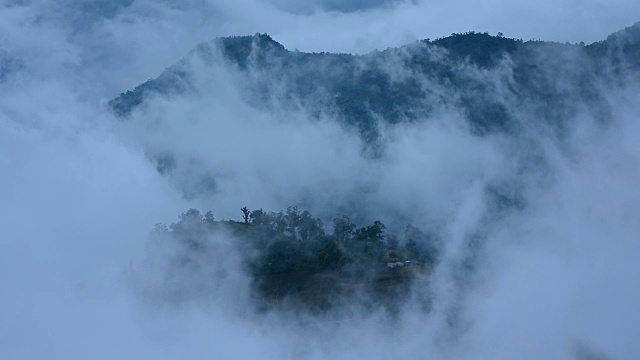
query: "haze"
80, 191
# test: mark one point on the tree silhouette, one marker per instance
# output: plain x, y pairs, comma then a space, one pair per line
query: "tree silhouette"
245, 214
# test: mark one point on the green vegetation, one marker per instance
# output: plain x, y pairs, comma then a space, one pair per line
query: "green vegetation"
289, 255
294, 240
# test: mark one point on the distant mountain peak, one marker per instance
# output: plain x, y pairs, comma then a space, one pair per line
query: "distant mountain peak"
361, 90
239, 49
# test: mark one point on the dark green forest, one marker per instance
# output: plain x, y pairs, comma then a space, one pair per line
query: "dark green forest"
291, 255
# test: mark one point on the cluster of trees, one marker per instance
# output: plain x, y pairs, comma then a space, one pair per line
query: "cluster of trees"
295, 240
480, 48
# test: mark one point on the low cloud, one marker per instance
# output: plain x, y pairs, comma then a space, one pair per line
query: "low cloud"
554, 278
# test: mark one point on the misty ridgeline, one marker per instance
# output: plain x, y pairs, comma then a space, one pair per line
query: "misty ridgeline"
527, 96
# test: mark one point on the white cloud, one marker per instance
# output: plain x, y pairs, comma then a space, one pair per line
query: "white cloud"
79, 195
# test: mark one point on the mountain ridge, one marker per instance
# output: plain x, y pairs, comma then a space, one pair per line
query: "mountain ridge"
361, 92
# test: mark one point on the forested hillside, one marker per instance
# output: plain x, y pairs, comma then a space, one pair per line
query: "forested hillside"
290, 257
482, 74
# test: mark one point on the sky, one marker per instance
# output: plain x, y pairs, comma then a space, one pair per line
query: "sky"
79, 195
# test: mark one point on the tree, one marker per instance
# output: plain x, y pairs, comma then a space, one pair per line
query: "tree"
377, 230
209, 218
246, 214
292, 220
190, 229
160, 230
258, 217
327, 255
343, 228
369, 242
310, 227
192, 216
413, 236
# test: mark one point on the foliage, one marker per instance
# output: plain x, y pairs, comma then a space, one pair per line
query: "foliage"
294, 240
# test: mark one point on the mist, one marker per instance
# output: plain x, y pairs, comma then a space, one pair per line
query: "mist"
554, 276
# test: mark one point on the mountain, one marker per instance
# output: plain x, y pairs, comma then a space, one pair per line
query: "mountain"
476, 72
496, 84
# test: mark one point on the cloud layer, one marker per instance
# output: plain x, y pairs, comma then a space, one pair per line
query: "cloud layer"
79, 193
